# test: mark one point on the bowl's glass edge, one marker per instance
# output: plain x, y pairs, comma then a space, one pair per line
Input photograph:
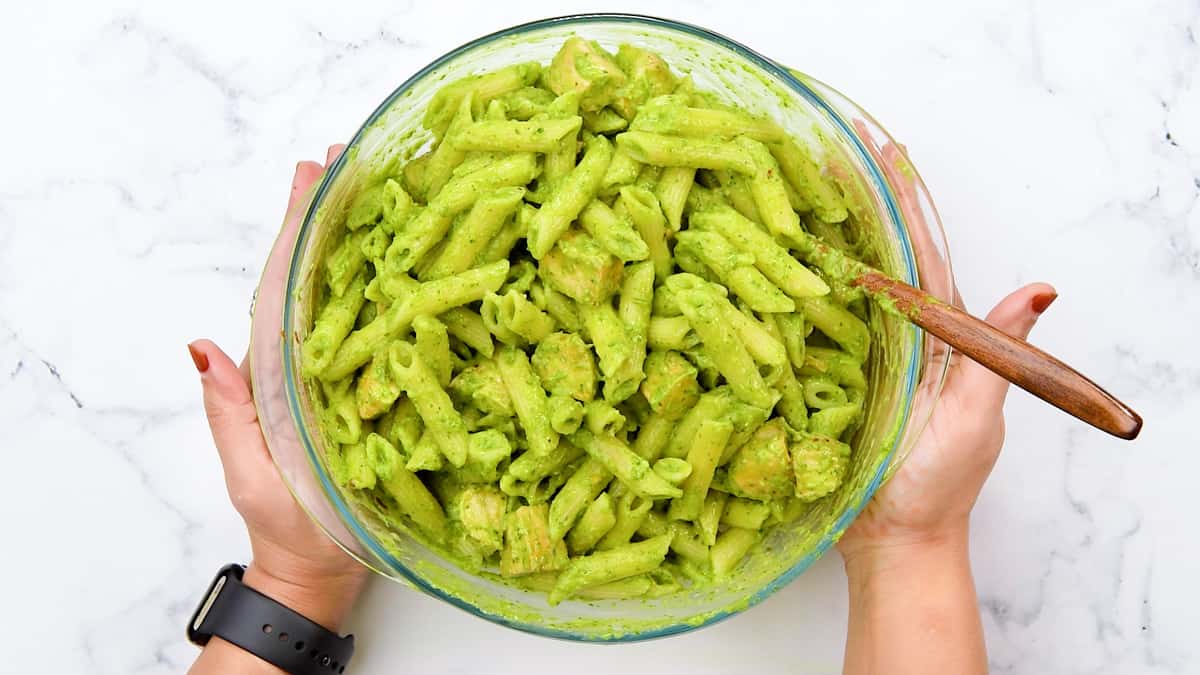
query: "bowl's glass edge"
876, 176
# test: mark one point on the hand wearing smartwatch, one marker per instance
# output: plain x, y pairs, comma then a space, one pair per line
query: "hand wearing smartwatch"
266, 628
299, 578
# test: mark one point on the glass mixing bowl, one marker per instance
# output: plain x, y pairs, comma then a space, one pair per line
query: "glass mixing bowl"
906, 367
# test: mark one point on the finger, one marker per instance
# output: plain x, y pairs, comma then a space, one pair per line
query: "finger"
892, 158
306, 174
232, 417
333, 153
1015, 315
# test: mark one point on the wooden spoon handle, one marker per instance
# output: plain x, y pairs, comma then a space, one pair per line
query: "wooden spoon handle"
1014, 359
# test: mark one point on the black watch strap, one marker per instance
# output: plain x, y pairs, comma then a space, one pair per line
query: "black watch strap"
239, 614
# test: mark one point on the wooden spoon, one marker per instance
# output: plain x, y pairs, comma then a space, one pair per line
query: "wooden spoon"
1012, 358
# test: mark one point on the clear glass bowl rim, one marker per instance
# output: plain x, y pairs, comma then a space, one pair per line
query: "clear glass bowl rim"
875, 175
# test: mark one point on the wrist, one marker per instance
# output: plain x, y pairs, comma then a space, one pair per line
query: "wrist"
325, 599
906, 553
912, 603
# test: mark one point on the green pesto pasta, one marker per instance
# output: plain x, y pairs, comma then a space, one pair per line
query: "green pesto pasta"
559, 161
478, 228
447, 156
576, 190
711, 513
664, 117
735, 270
643, 209
613, 232
592, 341
595, 522
735, 189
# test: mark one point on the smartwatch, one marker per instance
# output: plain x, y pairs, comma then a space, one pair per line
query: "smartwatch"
274, 633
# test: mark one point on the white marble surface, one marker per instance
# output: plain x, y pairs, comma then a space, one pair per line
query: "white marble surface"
149, 147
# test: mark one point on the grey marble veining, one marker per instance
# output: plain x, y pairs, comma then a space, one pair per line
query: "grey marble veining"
148, 152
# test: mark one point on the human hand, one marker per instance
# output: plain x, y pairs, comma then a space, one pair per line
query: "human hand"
913, 607
294, 562
930, 497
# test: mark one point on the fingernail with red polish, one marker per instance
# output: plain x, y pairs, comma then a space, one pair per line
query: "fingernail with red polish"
1042, 301
199, 358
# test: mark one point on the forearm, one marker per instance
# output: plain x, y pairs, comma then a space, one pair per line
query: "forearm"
326, 603
913, 609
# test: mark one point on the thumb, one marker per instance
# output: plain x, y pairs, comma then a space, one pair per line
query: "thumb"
1016, 315
232, 417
